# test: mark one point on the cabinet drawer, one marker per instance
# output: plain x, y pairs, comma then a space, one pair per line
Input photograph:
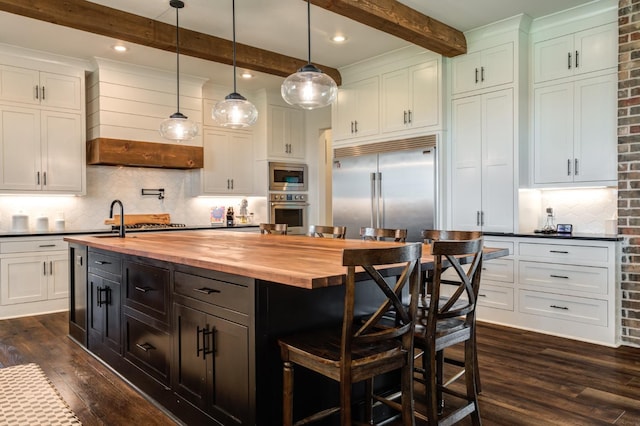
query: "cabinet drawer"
565, 253
147, 289
148, 348
102, 262
583, 279
30, 246
221, 293
496, 297
498, 270
577, 309
499, 244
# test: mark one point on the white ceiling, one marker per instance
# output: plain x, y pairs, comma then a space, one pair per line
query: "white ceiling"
276, 25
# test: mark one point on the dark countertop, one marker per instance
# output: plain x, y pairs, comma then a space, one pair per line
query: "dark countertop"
574, 236
4, 234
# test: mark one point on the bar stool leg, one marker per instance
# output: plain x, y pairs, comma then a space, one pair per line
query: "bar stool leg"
287, 395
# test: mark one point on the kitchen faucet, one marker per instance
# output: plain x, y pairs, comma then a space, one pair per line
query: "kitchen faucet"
121, 230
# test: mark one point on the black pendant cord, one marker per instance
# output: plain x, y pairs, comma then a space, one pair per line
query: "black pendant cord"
309, 30
177, 61
233, 13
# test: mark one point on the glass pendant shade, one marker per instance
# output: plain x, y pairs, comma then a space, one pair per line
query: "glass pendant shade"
178, 128
235, 111
309, 88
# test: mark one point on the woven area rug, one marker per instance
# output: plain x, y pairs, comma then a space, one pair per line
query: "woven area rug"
27, 397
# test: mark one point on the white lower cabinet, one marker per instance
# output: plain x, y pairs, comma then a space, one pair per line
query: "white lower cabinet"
563, 287
34, 276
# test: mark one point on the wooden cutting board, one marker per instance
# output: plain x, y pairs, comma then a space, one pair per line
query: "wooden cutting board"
132, 219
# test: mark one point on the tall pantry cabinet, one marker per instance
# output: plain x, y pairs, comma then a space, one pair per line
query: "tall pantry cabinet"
487, 121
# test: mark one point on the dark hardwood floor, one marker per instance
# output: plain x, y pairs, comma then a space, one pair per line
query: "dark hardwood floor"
527, 378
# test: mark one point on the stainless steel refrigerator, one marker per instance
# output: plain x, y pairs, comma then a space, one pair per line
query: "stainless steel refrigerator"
385, 190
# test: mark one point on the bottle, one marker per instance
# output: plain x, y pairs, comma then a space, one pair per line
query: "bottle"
230, 216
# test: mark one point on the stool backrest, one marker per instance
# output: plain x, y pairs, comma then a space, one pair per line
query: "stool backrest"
322, 231
371, 331
273, 228
381, 234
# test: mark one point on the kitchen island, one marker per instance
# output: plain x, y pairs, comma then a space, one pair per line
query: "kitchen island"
192, 318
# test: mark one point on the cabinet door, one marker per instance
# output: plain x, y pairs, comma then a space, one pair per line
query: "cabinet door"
63, 152
356, 110
286, 132
466, 139
395, 101
19, 84
23, 279
60, 91
424, 95
78, 293
58, 276
297, 141
595, 129
216, 173
342, 113
553, 58
20, 154
104, 314
596, 49
242, 162
190, 370
497, 162
553, 134
497, 65
465, 72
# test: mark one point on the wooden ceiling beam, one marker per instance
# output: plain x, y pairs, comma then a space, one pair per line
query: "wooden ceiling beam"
97, 19
395, 18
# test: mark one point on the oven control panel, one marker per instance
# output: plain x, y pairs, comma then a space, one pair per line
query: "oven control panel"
288, 197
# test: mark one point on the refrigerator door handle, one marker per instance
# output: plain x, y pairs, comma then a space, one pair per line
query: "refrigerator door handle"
380, 221
374, 199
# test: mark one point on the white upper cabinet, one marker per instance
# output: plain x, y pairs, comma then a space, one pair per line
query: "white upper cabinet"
228, 163
411, 97
286, 138
574, 54
483, 69
35, 87
575, 132
355, 112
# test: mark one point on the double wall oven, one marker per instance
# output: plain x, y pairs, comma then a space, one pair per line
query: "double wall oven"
288, 198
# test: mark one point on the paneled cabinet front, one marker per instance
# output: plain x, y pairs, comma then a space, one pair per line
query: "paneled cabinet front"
483, 165
356, 111
575, 129
483, 69
30, 86
286, 138
228, 163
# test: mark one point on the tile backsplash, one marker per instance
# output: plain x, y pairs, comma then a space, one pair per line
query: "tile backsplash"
106, 183
588, 210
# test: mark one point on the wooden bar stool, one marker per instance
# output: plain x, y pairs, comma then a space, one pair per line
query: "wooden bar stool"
273, 228
429, 236
446, 322
381, 234
361, 349
322, 231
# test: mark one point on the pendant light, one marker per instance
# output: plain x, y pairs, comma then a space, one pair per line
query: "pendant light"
309, 88
178, 127
235, 110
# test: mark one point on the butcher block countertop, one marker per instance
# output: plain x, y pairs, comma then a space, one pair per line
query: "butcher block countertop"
295, 260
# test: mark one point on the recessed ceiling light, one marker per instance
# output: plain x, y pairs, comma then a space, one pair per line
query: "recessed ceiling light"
120, 48
338, 38
246, 75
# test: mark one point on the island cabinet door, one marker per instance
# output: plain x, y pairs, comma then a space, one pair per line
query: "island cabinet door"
104, 315
212, 368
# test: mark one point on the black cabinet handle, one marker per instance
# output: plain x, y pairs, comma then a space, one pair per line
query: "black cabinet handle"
559, 276
205, 349
46, 245
143, 289
564, 308
107, 299
476, 75
577, 63
206, 290
101, 262
405, 117
482, 295
559, 251
145, 346
481, 73
569, 60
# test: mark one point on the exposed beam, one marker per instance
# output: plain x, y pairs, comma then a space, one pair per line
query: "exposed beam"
395, 18
106, 21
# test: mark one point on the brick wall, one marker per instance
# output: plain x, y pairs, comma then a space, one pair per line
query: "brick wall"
629, 166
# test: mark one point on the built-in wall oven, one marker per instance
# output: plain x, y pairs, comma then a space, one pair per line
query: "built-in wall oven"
289, 208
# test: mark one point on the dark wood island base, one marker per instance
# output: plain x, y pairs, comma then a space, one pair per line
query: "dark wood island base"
192, 318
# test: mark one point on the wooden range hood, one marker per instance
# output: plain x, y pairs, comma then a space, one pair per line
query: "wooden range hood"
119, 152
